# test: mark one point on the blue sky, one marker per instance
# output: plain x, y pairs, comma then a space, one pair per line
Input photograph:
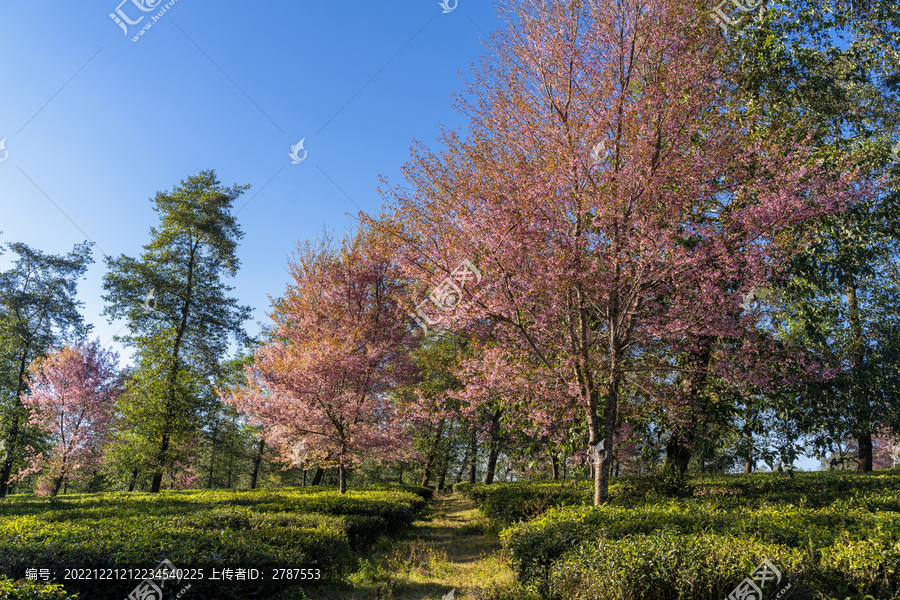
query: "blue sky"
96, 124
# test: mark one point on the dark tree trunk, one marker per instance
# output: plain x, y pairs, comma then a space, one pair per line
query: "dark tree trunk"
864, 462
473, 455
446, 466
212, 455
260, 448
494, 437
304, 477
134, 474
432, 454
342, 477
554, 465
13, 437
864, 442
317, 478
749, 464
678, 451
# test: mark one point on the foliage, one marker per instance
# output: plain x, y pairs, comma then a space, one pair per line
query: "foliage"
38, 310
73, 392
180, 320
339, 345
596, 269
264, 529
24, 589
834, 533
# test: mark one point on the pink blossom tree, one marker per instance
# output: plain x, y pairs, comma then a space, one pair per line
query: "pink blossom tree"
341, 342
72, 396
615, 193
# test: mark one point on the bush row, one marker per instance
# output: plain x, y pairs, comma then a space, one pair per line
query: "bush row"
697, 547
289, 529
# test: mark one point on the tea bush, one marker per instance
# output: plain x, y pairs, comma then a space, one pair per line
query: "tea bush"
306, 528
832, 535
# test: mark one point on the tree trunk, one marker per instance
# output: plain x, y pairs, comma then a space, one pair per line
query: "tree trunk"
13, 436
60, 479
494, 451
491, 466
212, 455
173, 376
304, 477
446, 467
864, 457
864, 442
473, 454
554, 465
678, 451
342, 477
432, 454
601, 475
158, 475
748, 465
317, 478
256, 462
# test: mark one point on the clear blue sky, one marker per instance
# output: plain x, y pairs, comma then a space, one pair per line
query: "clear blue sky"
96, 124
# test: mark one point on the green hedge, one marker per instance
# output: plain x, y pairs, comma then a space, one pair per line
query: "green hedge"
25, 589
845, 547
292, 528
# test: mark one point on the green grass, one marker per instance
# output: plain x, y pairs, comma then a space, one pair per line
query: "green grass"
308, 528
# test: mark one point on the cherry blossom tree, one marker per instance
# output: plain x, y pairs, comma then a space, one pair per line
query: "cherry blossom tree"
72, 397
341, 342
616, 195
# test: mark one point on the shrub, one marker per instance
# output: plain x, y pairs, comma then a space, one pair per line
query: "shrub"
24, 589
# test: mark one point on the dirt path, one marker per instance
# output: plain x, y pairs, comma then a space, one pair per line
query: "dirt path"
446, 549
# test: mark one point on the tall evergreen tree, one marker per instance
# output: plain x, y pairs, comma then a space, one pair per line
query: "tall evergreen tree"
179, 315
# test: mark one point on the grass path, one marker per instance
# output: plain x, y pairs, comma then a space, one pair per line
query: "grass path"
445, 549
